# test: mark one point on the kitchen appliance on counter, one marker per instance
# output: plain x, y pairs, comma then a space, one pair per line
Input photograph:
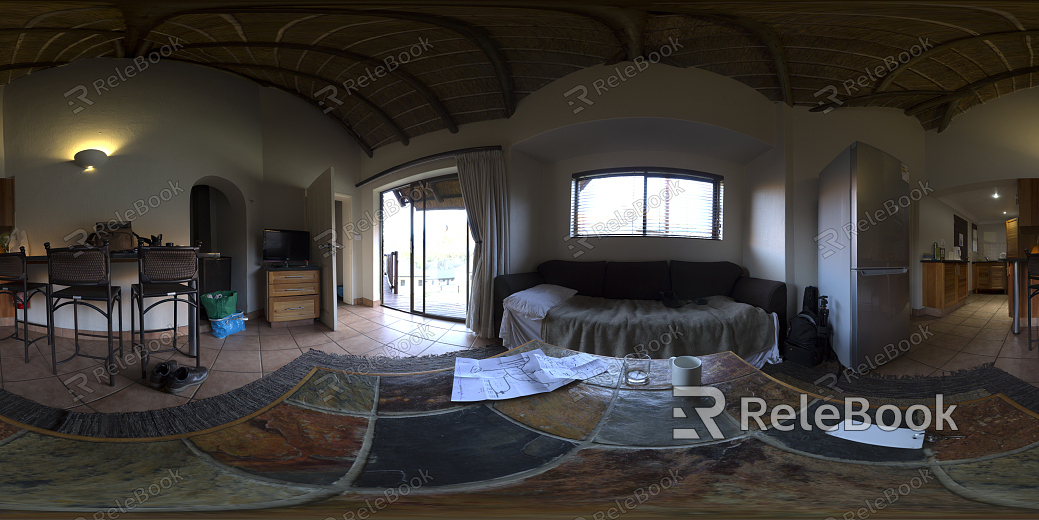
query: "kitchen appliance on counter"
868, 280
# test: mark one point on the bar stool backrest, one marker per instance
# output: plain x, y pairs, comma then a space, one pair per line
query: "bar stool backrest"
79, 265
168, 264
12, 266
1033, 265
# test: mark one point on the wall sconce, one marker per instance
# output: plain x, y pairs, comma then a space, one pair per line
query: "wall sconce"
90, 159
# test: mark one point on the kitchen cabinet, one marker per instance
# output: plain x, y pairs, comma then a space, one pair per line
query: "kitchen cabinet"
990, 276
945, 286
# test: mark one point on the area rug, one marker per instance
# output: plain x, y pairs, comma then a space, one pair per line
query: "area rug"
221, 409
979, 381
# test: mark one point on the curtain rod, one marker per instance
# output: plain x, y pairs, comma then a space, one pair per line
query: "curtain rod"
426, 159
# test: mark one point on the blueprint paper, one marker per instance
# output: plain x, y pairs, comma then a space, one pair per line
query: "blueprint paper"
519, 375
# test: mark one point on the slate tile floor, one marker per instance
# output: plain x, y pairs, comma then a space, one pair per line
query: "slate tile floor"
975, 334
235, 361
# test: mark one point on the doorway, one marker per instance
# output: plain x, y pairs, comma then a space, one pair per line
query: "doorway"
426, 249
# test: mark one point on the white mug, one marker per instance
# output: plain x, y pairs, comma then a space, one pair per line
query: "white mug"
686, 371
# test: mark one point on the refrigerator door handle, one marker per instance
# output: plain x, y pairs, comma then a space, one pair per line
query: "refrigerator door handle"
882, 272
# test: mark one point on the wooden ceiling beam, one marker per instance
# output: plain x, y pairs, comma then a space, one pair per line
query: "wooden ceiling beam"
763, 33
421, 88
86, 31
950, 112
376, 111
876, 96
967, 90
890, 78
473, 33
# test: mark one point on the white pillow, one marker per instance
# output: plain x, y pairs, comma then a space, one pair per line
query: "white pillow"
535, 302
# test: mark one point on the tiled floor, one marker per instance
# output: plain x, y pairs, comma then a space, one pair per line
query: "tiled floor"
975, 334
82, 385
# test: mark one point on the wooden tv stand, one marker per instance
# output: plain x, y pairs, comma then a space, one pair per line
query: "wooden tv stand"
293, 295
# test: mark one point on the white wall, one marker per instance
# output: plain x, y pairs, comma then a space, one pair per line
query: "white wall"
767, 189
540, 210
173, 124
299, 144
818, 139
992, 240
990, 142
557, 207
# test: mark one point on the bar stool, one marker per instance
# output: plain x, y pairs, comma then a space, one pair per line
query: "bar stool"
13, 281
1031, 290
87, 274
167, 272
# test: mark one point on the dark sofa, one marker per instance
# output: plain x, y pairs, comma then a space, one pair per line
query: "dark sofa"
645, 281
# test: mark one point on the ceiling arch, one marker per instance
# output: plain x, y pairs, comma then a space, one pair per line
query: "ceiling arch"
389, 72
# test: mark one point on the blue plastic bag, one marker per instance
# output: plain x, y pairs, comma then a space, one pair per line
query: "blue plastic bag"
226, 326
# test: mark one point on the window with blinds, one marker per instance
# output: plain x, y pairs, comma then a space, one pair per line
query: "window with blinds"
659, 202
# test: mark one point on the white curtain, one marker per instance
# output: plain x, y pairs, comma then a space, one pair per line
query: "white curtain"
481, 175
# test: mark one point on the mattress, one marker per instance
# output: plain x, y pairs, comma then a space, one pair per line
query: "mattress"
517, 330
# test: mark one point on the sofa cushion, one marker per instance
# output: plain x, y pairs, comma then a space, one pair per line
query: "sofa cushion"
586, 277
692, 280
636, 280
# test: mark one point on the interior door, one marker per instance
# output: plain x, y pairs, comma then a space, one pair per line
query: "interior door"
320, 220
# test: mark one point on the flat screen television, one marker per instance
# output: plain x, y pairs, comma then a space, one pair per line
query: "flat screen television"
282, 245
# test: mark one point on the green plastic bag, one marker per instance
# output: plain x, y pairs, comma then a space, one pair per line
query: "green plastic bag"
220, 304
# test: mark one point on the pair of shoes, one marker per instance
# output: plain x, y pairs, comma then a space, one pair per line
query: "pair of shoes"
176, 379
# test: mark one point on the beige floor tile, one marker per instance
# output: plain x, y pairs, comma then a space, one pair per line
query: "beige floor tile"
266, 330
411, 345
937, 326
974, 322
950, 341
349, 318
358, 345
222, 382
344, 332
329, 348
137, 398
458, 338
238, 361
1014, 349
304, 329
931, 355
964, 360
952, 320
309, 339
236, 342
48, 392
281, 342
983, 347
384, 319
993, 334
365, 326
272, 360
903, 366
385, 351
384, 335
1024, 369
89, 386
965, 331
441, 348
37, 368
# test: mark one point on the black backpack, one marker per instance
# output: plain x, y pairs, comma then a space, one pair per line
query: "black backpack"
808, 342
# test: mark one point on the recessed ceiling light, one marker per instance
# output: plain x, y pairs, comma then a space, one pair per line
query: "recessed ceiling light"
995, 195
1004, 212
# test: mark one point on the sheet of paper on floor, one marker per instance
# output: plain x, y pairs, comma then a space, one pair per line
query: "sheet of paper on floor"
519, 375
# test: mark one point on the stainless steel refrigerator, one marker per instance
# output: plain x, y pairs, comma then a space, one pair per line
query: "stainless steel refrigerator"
865, 227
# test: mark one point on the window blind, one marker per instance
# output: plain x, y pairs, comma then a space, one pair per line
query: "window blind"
647, 202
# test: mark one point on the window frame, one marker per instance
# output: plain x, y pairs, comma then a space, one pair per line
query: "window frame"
646, 172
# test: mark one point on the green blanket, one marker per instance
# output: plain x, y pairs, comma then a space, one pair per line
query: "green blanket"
617, 327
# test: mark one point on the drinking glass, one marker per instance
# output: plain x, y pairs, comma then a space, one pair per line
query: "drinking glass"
636, 369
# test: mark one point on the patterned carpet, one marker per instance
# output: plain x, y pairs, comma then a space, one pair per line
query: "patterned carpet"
340, 443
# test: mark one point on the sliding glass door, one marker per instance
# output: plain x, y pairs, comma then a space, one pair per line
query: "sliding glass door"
426, 249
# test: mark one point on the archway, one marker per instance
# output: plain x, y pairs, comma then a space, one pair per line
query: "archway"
218, 221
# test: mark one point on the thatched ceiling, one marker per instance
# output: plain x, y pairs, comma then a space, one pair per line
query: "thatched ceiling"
481, 58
